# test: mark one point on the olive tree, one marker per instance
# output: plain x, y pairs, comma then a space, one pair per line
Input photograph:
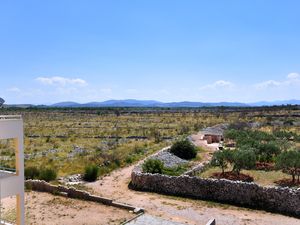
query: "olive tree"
267, 151
243, 159
289, 162
221, 159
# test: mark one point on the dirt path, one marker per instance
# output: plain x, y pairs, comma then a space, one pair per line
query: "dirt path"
45, 209
180, 209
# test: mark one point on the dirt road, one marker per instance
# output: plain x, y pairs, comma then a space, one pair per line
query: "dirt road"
181, 209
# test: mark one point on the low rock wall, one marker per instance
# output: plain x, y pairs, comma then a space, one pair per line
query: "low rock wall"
274, 199
197, 169
43, 186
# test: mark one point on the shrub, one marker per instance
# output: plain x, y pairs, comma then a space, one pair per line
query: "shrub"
47, 174
91, 173
175, 171
32, 172
129, 159
184, 149
153, 166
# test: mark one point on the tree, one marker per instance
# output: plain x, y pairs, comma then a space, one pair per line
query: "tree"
184, 149
289, 162
267, 151
243, 159
153, 166
222, 159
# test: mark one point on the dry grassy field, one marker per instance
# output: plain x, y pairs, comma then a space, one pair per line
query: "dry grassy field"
69, 139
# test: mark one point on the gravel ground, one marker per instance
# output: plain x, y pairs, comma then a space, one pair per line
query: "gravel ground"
147, 219
169, 159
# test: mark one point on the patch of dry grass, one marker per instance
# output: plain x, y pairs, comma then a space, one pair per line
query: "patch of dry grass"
264, 178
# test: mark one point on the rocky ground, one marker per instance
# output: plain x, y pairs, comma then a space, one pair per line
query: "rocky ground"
183, 210
147, 219
43, 208
169, 160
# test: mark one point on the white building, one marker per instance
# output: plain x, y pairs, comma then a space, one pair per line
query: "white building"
12, 183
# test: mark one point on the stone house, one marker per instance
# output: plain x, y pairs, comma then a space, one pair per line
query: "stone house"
213, 134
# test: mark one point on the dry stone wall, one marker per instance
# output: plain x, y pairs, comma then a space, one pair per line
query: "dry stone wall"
274, 199
43, 186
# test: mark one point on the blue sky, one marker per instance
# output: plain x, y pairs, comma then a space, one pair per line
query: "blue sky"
167, 50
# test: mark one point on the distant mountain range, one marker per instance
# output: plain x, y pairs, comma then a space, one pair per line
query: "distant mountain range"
152, 103
1, 101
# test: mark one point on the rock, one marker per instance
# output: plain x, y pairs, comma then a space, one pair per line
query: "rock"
77, 151
138, 210
73, 179
170, 160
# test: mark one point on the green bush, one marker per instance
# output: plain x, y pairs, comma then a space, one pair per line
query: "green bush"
32, 172
175, 171
129, 159
47, 174
91, 173
184, 149
153, 166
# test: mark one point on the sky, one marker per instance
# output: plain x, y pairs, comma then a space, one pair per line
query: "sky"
165, 50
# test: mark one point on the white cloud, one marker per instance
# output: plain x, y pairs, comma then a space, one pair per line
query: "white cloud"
293, 76
61, 81
292, 79
267, 84
218, 84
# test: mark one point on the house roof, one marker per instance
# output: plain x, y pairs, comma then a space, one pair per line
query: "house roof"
215, 130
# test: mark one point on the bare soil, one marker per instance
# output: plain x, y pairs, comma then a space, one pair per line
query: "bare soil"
46, 209
265, 166
181, 209
43, 208
233, 176
288, 183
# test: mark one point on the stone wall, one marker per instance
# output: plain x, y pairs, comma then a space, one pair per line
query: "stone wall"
274, 199
43, 186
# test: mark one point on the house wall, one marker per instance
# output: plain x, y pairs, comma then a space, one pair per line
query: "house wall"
11, 127
212, 138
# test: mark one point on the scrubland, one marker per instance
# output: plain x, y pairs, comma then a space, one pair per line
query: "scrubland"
68, 140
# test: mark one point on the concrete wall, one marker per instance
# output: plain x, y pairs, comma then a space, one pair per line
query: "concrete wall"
280, 200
